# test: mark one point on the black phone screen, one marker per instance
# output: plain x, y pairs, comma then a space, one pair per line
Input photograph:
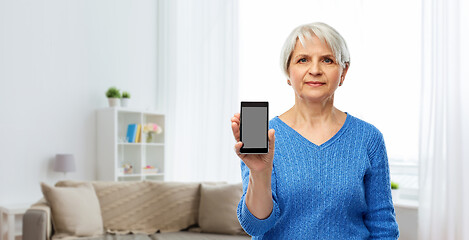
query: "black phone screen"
254, 127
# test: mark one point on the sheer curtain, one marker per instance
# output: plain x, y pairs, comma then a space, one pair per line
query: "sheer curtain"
443, 211
198, 87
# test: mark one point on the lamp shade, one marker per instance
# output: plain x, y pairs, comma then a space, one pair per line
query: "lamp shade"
64, 163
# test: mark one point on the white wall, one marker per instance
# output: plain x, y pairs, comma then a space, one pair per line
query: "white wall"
57, 58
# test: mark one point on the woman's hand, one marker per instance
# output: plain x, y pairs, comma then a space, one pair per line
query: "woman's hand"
257, 163
259, 192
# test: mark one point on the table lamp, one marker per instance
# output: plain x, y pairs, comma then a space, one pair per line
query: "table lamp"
64, 163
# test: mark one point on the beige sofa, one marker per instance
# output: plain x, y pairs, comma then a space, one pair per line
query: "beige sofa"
144, 210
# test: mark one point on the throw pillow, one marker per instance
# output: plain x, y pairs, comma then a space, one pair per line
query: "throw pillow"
75, 210
217, 211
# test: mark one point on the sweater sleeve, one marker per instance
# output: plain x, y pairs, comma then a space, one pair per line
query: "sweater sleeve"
380, 217
252, 225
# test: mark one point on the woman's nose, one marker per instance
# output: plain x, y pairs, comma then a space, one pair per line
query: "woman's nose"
315, 69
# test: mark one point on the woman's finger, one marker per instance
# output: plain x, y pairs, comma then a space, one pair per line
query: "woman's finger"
271, 140
235, 119
237, 148
235, 129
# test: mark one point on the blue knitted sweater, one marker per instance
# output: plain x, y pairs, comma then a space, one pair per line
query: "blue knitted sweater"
337, 190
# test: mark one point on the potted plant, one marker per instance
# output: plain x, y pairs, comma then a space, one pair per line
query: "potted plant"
113, 95
125, 99
394, 190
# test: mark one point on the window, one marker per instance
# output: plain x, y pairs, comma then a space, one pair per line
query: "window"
383, 83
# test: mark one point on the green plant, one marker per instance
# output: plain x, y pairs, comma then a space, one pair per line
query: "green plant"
394, 185
125, 95
113, 92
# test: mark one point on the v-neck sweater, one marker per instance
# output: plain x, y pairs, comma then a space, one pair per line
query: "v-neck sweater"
337, 190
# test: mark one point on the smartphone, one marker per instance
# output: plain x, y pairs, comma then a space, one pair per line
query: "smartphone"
254, 127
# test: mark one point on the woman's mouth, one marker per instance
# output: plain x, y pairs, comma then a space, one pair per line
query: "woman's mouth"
315, 83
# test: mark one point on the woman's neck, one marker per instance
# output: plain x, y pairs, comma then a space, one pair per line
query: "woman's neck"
313, 114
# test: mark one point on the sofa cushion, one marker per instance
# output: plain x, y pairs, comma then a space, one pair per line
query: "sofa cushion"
113, 237
75, 210
146, 206
196, 236
217, 211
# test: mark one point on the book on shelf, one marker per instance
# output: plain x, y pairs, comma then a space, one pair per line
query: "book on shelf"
131, 132
139, 130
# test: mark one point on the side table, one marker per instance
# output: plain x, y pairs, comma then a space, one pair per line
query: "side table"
9, 213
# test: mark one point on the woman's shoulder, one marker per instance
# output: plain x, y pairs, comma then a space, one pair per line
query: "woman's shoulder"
279, 125
369, 133
363, 125
274, 122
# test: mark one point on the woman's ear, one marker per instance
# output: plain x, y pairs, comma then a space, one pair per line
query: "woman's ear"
344, 72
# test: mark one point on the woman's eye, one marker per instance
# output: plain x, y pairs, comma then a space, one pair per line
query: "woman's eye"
328, 60
302, 60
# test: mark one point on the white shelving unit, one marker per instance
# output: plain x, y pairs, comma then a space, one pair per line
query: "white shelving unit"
113, 151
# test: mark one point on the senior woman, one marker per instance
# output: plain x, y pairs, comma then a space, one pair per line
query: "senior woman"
326, 175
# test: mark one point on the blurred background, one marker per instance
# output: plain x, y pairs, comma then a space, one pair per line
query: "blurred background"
196, 60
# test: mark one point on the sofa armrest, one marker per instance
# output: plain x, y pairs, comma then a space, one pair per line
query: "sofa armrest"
37, 222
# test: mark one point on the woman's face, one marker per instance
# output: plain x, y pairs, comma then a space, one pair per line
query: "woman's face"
314, 73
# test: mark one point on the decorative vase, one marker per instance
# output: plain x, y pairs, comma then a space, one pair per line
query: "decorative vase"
113, 102
125, 102
149, 137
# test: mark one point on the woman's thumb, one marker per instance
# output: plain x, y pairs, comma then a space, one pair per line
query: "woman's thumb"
271, 139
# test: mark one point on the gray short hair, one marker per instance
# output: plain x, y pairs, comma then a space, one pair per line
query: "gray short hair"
325, 33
